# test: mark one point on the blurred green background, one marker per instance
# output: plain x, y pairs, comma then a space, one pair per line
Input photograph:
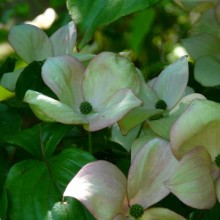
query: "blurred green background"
151, 38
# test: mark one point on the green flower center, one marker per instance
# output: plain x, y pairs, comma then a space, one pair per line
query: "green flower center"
161, 104
85, 108
217, 160
136, 211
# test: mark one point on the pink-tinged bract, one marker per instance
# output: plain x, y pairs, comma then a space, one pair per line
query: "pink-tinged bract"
101, 187
151, 167
104, 190
109, 84
192, 181
199, 125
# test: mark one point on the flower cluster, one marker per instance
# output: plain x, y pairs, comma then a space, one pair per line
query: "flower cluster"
171, 132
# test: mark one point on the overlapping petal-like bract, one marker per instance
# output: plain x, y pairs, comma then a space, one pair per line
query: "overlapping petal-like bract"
32, 44
104, 190
199, 125
140, 114
153, 174
169, 86
192, 181
109, 84
171, 83
163, 126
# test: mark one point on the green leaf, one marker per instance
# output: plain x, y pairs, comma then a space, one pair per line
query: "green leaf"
4, 164
35, 186
7, 66
3, 168
3, 205
141, 26
52, 134
88, 15
40, 140
78, 210
211, 214
10, 122
30, 78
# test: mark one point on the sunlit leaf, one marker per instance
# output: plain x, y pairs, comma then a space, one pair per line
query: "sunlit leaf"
5, 94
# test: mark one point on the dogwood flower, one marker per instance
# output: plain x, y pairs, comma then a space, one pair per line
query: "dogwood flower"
108, 195
159, 95
162, 126
96, 97
199, 125
157, 127
154, 171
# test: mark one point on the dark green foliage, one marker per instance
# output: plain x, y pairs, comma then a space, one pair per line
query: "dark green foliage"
37, 159
10, 122
7, 66
40, 140
37, 185
30, 78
